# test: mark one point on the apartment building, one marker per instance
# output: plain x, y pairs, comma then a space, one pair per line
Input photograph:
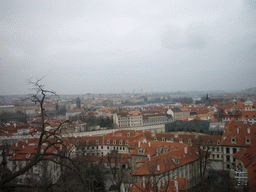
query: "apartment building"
128, 119
180, 163
156, 119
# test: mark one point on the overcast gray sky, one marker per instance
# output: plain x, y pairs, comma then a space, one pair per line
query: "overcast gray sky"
109, 46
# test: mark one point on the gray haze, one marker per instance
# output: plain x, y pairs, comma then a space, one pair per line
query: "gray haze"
109, 46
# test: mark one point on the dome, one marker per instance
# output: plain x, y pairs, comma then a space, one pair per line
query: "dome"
248, 102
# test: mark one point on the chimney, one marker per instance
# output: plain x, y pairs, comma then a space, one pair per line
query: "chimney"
149, 157
186, 150
237, 130
158, 167
16, 144
149, 144
143, 182
248, 130
139, 144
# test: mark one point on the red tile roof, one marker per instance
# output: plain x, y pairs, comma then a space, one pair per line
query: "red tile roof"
240, 132
248, 157
164, 162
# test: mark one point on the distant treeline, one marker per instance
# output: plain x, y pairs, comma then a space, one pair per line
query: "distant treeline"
14, 117
190, 126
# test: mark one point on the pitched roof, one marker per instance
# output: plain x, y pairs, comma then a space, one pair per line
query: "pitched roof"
239, 132
154, 147
248, 157
166, 161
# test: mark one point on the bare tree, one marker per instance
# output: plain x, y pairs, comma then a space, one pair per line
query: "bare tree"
114, 160
48, 139
203, 147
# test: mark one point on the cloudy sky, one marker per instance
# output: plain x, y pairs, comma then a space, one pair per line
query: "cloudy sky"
110, 46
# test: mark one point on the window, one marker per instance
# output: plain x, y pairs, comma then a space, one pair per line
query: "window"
218, 156
233, 140
180, 141
228, 158
96, 142
140, 151
120, 142
213, 156
114, 142
227, 150
247, 141
101, 147
108, 142
218, 142
126, 143
234, 150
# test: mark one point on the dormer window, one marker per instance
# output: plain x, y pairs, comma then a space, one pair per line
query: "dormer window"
97, 142
172, 140
87, 142
108, 142
180, 141
208, 142
163, 139
28, 155
126, 143
140, 151
247, 141
77, 143
120, 142
128, 134
218, 142
248, 130
233, 140
114, 142
189, 141
165, 150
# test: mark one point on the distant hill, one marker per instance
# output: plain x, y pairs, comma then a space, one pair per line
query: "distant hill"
249, 90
